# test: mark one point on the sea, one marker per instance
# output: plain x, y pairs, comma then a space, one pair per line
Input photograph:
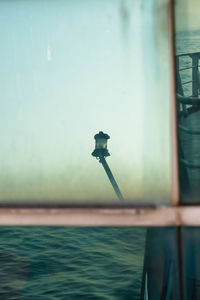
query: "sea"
94, 263
187, 41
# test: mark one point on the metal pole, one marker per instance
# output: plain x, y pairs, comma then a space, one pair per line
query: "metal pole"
111, 178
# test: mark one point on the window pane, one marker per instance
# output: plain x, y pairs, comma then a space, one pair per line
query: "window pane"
188, 101
70, 69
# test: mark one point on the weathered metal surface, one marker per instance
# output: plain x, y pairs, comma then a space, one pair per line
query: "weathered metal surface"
172, 216
175, 196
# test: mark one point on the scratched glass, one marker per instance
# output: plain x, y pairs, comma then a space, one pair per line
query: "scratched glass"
188, 101
70, 69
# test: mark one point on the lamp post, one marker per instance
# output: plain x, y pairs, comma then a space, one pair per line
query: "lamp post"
100, 152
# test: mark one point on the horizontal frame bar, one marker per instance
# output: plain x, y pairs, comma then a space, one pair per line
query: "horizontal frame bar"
125, 216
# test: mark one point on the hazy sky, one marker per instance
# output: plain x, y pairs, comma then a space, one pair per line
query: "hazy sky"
187, 14
72, 68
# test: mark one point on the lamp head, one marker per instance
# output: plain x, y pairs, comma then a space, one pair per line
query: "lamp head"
101, 144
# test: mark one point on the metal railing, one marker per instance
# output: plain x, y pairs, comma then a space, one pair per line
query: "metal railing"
195, 78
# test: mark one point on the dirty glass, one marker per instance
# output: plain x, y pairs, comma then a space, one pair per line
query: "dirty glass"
187, 42
115, 263
70, 69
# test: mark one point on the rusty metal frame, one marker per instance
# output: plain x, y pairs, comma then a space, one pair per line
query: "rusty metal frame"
174, 131
100, 216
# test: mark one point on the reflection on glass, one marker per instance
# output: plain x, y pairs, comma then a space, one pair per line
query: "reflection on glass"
191, 262
70, 69
188, 100
73, 263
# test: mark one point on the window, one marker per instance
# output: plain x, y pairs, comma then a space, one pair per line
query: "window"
70, 69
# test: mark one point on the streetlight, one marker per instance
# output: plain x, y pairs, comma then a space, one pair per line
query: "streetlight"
100, 152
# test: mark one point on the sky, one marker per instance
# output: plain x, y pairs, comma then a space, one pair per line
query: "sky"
70, 69
187, 14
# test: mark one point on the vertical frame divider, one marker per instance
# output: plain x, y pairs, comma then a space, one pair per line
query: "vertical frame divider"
175, 196
180, 262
